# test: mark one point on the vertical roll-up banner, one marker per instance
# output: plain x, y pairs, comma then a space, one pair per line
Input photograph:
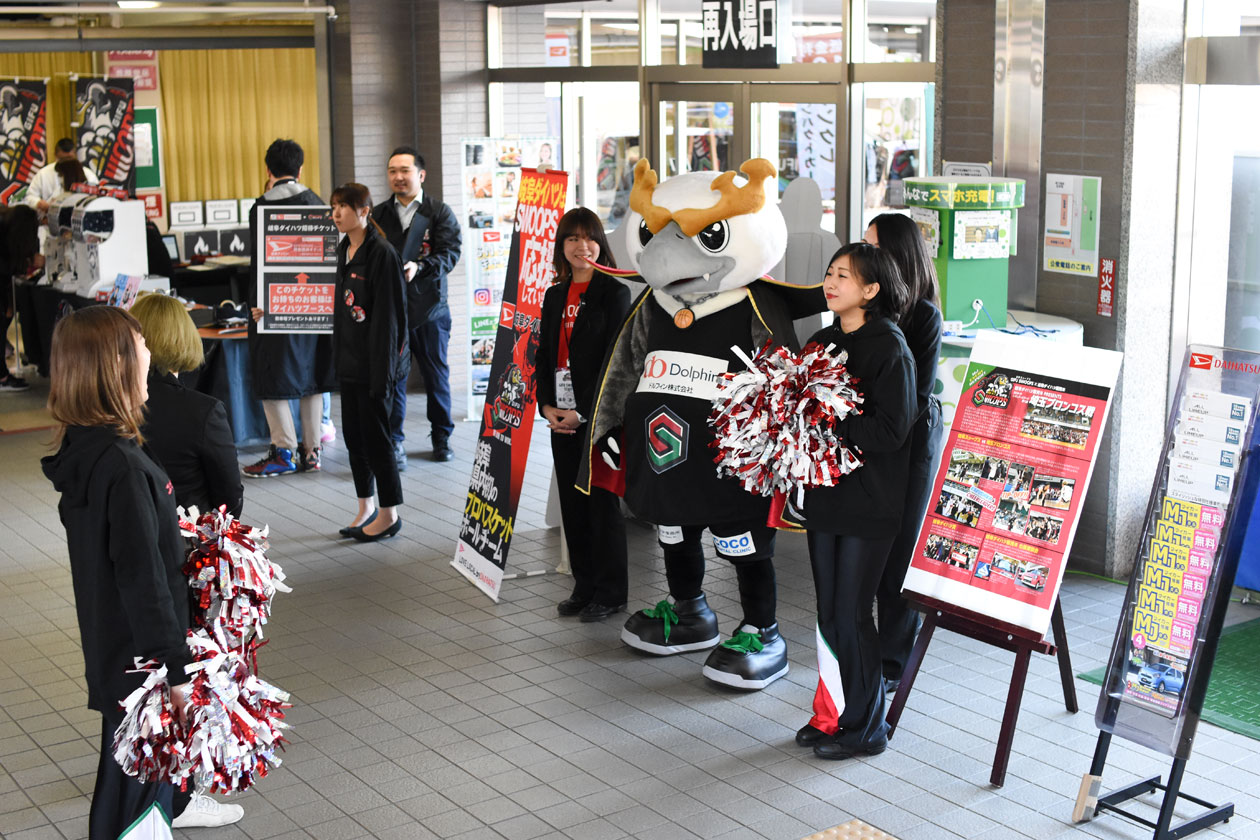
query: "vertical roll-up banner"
507, 420
104, 110
23, 134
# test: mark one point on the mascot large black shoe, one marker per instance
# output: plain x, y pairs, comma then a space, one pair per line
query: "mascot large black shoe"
702, 242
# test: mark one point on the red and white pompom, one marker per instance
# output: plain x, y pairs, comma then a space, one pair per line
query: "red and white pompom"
149, 743
775, 424
232, 579
235, 719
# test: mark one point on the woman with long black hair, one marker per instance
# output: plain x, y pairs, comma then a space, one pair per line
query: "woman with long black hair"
921, 323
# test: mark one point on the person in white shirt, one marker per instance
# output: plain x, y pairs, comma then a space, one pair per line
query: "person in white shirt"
47, 183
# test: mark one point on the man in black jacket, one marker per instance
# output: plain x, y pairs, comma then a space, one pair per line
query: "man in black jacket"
426, 236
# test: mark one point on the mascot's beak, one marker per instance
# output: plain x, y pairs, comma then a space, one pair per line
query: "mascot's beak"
678, 266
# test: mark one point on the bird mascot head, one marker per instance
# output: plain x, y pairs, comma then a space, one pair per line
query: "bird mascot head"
704, 232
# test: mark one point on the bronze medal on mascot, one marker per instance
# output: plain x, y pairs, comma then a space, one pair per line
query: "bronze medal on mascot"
684, 318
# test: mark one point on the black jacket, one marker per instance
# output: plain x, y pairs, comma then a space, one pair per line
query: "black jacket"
188, 433
922, 327
868, 502
370, 316
126, 559
433, 242
603, 309
286, 365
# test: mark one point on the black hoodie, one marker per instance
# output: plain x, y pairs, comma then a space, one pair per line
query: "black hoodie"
868, 501
126, 560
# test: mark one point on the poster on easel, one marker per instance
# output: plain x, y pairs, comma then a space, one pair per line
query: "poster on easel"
104, 114
1010, 487
507, 418
23, 135
490, 180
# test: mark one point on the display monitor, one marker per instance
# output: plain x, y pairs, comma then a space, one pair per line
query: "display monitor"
171, 243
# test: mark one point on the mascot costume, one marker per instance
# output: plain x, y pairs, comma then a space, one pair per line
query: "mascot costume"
702, 242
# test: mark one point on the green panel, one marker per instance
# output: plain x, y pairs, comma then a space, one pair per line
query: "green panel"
1090, 188
962, 281
149, 177
954, 194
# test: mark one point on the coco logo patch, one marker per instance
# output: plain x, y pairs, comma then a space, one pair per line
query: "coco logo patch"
667, 435
739, 545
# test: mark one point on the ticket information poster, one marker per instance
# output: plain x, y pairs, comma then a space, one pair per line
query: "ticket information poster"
1011, 483
297, 268
508, 415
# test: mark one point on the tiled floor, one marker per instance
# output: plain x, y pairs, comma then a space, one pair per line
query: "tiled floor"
425, 710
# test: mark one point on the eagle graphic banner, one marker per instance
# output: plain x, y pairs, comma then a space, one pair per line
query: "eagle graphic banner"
507, 421
104, 111
23, 134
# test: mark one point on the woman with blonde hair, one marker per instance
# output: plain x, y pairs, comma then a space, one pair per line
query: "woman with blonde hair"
186, 431
126, 552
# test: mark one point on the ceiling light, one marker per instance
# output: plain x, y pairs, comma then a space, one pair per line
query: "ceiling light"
137, 4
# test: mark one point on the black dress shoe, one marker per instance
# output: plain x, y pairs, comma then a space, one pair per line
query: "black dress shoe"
391, 531
598, 612
442, 449
573, 605
849, 744
349, 530
809, 735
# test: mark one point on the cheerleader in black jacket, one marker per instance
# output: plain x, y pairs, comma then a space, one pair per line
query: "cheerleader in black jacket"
371, 355
898, 623
851, 526
581, 315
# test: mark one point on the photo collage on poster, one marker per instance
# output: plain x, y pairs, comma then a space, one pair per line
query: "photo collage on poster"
1009, 488
1180, 546
490, 180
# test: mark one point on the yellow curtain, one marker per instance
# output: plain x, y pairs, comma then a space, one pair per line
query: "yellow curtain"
222, 108
54, 66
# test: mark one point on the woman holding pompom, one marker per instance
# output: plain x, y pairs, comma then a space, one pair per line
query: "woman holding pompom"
851, 526
122, 534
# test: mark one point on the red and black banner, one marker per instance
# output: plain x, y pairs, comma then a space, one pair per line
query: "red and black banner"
24, 138
104, 110
507, 421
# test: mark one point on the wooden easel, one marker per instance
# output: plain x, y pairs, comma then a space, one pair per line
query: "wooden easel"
1019, 640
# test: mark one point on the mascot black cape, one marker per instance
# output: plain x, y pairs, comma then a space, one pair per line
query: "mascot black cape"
702, 242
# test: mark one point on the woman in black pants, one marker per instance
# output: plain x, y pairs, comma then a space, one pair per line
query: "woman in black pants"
921, 324
371, 355
581, 315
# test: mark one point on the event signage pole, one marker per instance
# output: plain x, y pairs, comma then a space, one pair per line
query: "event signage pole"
507, 421
1006, 503
1174, 609
297, 268
24, 144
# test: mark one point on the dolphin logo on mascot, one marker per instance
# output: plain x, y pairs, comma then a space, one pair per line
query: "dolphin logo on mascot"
703, 242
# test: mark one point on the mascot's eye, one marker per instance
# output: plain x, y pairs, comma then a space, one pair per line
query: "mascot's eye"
713, 238
645, 235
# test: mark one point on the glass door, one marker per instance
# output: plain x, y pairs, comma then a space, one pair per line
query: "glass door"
697, 128
800, 128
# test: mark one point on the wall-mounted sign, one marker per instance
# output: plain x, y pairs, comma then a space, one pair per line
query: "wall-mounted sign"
740, 33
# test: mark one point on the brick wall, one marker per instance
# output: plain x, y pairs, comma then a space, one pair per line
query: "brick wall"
965, 80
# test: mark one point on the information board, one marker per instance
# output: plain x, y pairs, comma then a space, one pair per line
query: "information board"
297, 268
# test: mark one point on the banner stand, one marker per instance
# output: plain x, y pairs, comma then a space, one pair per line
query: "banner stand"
1193, 537
1019, 640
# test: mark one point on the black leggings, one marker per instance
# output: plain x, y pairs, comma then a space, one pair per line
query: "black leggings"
684, 568
365, 429
118, 799
846, 573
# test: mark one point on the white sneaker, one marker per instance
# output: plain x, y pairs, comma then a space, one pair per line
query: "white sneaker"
204, 812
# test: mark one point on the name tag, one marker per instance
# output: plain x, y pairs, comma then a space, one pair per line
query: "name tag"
565, 397
684, 374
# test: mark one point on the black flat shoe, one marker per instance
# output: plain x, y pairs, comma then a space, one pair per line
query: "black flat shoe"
573, 605
848, 744
598, 612
349, 530
809, 735
391, 531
